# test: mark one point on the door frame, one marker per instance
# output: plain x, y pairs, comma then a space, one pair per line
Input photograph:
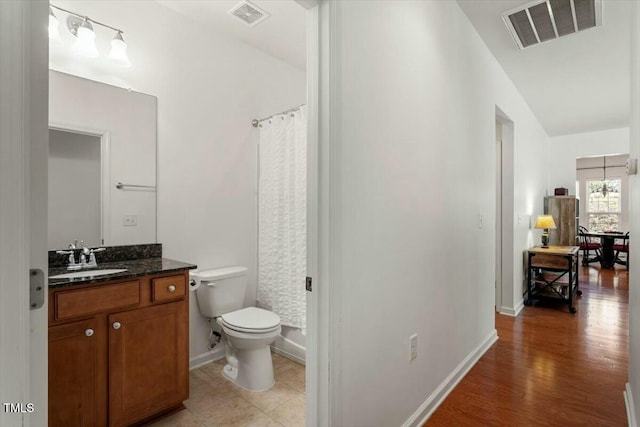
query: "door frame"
498, 255
511, 301
105, 172
316, 376
23, 201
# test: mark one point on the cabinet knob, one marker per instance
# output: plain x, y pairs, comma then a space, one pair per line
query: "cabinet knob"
171, 288
88, 332
116, 325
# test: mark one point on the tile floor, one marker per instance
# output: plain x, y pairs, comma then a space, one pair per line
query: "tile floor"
215, 401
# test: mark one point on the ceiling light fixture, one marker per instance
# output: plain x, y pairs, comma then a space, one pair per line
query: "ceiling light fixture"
81, 27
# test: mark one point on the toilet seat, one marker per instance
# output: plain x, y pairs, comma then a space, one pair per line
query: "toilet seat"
251, 320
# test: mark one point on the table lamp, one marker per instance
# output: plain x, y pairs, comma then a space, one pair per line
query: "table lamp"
545, 222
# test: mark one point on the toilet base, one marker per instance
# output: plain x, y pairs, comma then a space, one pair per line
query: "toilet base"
254, 371
230, 372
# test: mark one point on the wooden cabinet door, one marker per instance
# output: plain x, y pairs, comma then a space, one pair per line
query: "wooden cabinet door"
72, 374
148, 361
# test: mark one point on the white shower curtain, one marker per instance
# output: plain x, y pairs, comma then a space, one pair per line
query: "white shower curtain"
282, 213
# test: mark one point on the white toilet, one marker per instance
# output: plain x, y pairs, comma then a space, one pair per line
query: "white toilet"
247, 332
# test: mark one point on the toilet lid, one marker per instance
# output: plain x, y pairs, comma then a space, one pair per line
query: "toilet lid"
251, 318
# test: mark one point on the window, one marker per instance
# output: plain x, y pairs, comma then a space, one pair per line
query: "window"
604, 210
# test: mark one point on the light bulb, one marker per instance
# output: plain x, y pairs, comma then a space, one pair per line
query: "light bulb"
118, 52
85, 44
54, 34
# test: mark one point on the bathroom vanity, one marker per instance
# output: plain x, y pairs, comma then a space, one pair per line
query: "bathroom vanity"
118, 343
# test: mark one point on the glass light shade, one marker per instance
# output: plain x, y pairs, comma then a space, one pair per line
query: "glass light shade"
118, 52
54, 34
545, 222
85, 43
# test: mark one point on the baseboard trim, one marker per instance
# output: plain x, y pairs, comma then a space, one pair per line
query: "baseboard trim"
290, 350
513, 312
628, 403
205, 358
440, 394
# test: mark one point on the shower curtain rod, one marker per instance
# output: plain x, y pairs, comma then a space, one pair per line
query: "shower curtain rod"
255, 122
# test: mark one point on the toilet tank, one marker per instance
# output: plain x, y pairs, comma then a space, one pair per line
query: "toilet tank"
221, 290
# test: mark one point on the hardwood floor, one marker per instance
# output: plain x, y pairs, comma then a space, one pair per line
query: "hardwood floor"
550, 367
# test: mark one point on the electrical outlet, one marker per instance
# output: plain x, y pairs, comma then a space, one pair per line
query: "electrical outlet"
130, 220
413, 346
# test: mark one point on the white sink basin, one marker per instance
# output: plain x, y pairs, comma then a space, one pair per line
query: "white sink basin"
87, 273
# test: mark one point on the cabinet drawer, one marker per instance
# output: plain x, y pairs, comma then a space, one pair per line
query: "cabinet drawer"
168, 288
550, 261
82, 302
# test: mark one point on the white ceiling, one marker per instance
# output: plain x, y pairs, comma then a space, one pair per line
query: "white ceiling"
282, 35
577, 83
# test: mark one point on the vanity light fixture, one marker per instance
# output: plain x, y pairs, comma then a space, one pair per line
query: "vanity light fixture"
118, 52
85, 44
54, 34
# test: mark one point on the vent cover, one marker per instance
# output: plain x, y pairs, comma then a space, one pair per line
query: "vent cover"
542, 21
249, 13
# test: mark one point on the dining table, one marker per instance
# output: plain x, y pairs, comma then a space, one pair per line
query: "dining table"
607, 240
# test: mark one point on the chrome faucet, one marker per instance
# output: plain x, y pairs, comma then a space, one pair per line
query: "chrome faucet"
72, 260
84, 253
92, 257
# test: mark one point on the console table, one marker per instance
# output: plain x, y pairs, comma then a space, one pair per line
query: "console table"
552, 273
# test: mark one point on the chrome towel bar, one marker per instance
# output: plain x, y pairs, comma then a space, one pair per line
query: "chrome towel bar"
121, 186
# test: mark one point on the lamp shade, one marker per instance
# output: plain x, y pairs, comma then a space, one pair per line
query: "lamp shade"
545, 221
119, 51
85, 44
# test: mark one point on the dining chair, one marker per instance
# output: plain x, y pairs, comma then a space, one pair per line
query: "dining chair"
587, 245
621, 245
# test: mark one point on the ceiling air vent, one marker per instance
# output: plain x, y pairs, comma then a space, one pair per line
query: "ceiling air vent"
542, 21
249, 13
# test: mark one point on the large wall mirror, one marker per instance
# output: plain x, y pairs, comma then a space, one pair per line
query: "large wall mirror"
102, 164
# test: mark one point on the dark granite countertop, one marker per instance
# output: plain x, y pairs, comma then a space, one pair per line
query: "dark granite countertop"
135, 268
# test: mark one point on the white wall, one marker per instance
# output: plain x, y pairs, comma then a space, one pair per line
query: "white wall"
209, 88
74, 189
412, 167
565, 149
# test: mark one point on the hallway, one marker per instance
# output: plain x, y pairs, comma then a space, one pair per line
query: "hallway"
549, 367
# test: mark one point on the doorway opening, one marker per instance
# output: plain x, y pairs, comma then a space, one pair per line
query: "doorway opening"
507, 299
